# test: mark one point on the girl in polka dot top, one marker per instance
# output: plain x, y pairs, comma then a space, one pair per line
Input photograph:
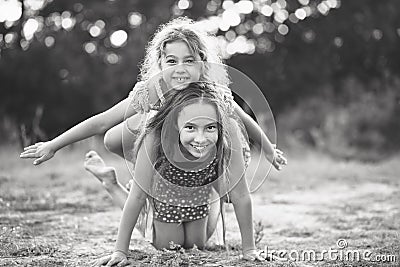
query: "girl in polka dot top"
183, 155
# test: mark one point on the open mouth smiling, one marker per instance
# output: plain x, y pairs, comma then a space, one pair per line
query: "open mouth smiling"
181, 79
199, 148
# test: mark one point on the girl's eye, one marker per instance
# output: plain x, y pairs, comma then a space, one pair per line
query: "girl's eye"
189, 61
212, 128
171, 61
189, 128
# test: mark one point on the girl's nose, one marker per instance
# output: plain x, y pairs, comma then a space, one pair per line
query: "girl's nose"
199, 138
180, 68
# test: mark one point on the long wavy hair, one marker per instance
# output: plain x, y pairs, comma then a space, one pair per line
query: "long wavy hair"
175, 101
199, 42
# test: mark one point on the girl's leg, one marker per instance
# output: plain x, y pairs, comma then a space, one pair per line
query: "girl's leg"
164, 233
117, 140
120, 139
195, 233
113, 139
106, 175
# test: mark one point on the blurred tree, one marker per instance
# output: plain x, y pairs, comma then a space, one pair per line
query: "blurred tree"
59, 56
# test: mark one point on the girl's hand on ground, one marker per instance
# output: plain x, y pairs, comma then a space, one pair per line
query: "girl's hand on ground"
118, 259
253, 255
41, 151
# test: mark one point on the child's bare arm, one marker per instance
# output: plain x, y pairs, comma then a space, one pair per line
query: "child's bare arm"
96, 124
275, 156
240, 194
136, 199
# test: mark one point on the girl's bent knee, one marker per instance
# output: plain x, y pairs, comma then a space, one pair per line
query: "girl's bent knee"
111, 142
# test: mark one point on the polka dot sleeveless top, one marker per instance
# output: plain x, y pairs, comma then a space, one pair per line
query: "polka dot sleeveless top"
182, 196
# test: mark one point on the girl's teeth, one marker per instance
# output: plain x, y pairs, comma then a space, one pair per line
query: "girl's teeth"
199, 147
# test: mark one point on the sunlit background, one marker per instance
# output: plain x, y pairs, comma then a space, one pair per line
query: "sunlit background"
227, 17
330, 68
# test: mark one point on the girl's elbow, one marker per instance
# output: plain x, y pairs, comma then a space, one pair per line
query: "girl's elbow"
138, 195
98, 124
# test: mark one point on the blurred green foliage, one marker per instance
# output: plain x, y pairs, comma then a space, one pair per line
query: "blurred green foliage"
332, 80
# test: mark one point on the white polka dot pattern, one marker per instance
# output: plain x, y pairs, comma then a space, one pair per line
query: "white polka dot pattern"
185, 205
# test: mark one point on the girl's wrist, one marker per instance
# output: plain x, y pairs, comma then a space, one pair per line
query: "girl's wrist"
270, 154
121, 251
248, 249
54, 145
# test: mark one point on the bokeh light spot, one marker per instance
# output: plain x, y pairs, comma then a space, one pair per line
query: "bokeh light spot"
118, 38
304, 2
283, 29
10, 10
231, 17
90, 47
49, 41
29, 28
112, 58
338, 41
267, 10
258, 28
183, 4
135, 19
245, 6
227, 4
95, 31
377, 34
10, 37
300, 13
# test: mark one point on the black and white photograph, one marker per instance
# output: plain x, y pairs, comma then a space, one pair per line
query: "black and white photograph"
199, 133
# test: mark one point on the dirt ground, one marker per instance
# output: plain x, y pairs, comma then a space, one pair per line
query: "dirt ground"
57, 214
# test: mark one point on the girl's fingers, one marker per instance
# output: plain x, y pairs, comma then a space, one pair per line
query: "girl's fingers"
33, 146
112, 262
248, 258
124, 262
29, 155
30, 147
32, 150
40, 160
101, 261
277, 165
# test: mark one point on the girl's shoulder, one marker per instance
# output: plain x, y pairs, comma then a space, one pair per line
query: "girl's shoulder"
145, 93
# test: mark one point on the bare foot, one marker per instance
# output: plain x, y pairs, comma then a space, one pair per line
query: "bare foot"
96, 166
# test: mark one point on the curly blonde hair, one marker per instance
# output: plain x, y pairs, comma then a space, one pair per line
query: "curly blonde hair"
199, 42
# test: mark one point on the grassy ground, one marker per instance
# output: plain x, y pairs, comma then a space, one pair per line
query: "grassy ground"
56, 214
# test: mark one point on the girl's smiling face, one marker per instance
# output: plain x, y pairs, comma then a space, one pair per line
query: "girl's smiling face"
198, 129
179, 66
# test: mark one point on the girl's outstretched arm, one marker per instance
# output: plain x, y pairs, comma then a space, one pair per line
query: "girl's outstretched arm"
137, 197
96, 124
274, 155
